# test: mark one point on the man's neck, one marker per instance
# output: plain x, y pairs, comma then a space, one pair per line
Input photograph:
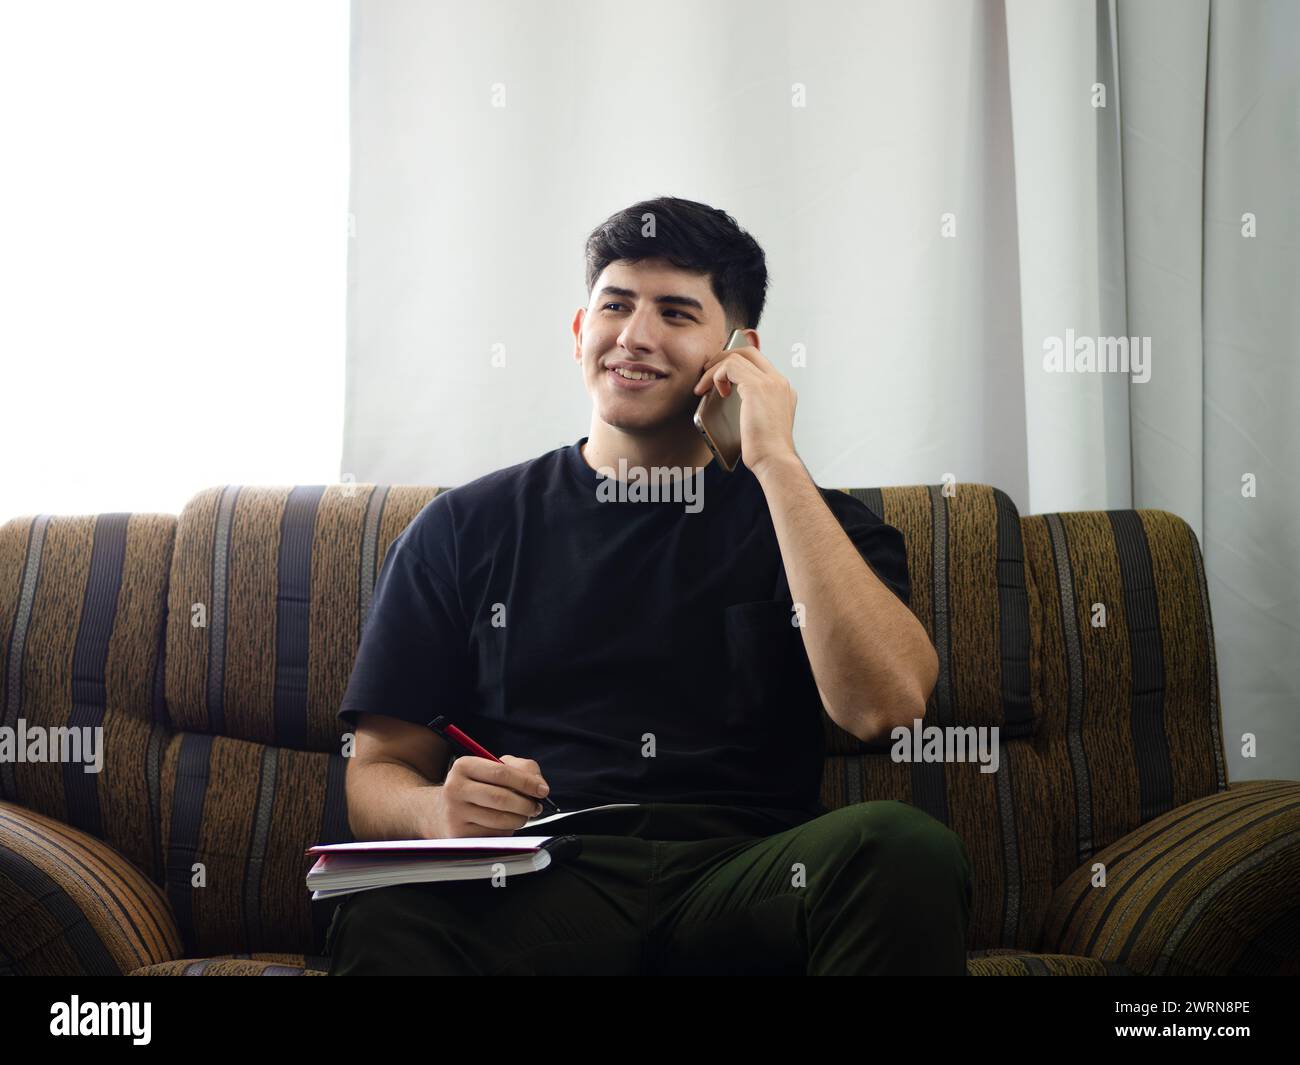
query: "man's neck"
606, 448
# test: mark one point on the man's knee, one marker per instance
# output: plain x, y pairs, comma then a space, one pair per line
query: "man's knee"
899, 836
891, 892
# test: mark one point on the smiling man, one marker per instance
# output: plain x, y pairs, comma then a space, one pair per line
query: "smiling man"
671, 658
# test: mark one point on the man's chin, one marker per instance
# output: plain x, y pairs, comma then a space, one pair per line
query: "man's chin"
634, 426
646, 426
626, 417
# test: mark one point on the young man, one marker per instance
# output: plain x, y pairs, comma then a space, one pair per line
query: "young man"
674, 655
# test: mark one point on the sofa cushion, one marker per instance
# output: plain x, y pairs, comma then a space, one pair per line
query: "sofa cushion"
245, 813
1211, 888
71, 905
241, 965
1025, 963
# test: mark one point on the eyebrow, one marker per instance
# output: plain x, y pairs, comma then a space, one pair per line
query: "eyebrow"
627, 293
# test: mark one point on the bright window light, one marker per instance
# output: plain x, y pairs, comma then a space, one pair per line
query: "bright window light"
173, 269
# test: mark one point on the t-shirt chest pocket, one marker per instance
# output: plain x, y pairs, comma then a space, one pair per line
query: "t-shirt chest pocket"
765, 659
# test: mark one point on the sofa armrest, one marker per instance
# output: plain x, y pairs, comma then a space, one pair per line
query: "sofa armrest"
71, 905
1210, 888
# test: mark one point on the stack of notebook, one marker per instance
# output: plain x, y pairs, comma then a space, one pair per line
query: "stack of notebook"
342, 868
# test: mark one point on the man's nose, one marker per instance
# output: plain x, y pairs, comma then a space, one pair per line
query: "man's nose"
641, 333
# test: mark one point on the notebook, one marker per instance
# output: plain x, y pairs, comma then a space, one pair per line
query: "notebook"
342, 868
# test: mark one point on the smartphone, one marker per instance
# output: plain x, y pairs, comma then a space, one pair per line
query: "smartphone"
718, 419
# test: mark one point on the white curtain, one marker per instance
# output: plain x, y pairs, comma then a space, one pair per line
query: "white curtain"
1173, 213
940, 188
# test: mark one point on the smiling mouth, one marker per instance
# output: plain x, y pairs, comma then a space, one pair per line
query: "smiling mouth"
640, 375
632, 384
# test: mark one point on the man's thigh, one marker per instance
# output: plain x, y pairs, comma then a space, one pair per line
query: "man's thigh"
581, 915
875, 886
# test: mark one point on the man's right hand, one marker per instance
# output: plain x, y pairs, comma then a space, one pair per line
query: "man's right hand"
480, 797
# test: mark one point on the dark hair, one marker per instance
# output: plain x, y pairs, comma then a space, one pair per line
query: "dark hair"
691, 236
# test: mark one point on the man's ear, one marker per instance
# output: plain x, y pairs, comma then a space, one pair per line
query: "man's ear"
578, 319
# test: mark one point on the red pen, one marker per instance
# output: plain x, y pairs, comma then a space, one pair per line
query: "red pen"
452, 734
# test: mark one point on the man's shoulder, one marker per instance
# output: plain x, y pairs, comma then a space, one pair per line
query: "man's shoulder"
486, 495
492, 486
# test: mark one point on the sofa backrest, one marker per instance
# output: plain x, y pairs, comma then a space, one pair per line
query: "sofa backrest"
1123, 673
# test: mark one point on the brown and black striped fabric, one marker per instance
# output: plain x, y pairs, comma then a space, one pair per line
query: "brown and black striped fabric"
237, 820
269, 590
72, 905
1201, 877
1131, 722
284, 577
965, 560
281, 579
1207, 889
82, 606
966, 566
1024, 963
261, 964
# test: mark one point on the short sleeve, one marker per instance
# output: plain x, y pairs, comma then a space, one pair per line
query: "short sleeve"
413, 660
880, 544
885, 552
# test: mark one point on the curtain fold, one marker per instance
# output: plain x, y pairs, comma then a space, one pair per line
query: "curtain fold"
1139, 226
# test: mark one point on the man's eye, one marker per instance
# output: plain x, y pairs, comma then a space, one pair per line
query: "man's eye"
669, 311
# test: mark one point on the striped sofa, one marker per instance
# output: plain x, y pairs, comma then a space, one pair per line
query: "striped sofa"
213, 650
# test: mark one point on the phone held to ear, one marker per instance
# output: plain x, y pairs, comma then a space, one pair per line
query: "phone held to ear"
718, 419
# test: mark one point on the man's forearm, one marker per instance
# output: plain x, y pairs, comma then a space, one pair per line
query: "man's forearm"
387, 800
872, 659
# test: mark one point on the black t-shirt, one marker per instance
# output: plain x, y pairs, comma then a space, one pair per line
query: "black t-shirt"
637, 651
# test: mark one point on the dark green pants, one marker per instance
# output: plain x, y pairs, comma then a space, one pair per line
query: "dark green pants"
873, 888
